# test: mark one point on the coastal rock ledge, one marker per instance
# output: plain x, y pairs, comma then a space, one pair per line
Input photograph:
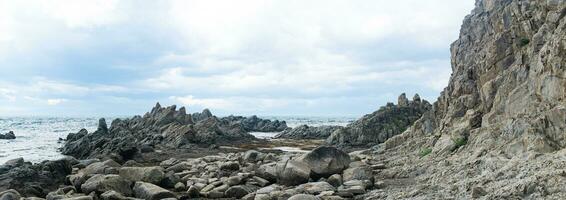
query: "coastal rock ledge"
164, 128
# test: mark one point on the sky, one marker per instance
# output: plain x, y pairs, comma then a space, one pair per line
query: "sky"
264, 57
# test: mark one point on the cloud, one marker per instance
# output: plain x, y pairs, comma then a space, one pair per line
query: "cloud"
53, 102
237, 56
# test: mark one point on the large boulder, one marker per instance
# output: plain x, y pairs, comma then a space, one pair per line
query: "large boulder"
292, 172
150, 191
100, 183
146, 174
325, 161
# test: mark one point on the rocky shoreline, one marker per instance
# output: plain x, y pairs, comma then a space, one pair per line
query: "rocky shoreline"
495, 132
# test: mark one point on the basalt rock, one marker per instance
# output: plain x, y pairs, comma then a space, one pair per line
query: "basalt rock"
308, 132
376, 128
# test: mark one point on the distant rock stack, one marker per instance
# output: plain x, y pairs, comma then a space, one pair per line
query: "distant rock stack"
8, 136
402, 100
375, 128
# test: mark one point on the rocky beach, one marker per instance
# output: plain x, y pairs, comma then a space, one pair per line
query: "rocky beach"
497, 131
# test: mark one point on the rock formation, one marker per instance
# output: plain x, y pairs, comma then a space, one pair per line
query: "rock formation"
497, 130
34, 179
163, 128
375, 128
8, 136
307, 132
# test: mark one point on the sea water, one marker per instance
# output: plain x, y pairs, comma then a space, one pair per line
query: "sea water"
37, 138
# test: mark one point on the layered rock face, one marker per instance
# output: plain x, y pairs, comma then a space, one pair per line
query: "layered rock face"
165, 128
498, 129
375, 128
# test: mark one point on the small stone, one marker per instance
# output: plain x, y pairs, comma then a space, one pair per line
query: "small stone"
478, 192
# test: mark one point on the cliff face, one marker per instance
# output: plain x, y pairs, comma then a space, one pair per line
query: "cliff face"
508, 80
498, 130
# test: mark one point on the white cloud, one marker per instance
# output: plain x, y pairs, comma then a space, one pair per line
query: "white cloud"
53, 102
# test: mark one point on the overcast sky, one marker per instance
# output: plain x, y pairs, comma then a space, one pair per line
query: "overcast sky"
266, 57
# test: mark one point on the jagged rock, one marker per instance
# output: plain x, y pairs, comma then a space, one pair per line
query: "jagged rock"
381, 125
102, 183
146, 174
165, 128
205, 114
36, 179
150, 191
325, 161
402, 100
308, 132
8, 136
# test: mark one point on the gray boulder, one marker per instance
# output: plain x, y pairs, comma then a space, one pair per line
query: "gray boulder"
325, 161
150, 191
303, 197
292, 172
146, 174
240, 191
102, 183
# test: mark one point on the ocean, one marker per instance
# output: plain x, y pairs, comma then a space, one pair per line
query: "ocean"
37, 138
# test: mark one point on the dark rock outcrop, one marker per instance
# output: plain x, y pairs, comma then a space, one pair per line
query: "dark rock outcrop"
308, 132
256, 124
375, 128
163, 128
8, 136
34, 179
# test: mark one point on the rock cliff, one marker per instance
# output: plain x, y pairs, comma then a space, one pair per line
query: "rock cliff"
497, 130
377, 127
